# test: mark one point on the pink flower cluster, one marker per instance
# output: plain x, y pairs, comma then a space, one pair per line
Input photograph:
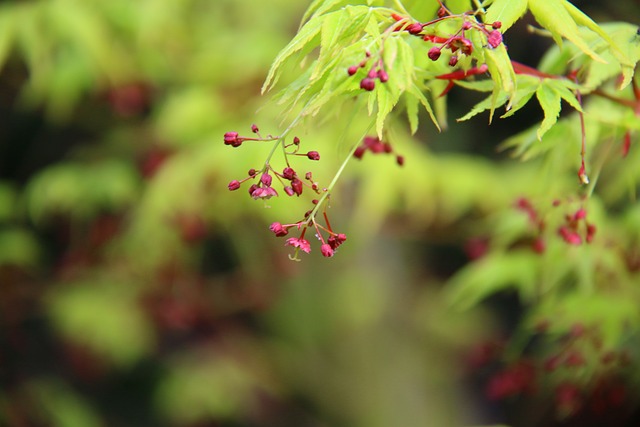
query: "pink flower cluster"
328, 246
292, 184
262, 188
575, 230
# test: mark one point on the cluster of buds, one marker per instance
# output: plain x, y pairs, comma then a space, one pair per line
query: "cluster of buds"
575, 230
457, 42
262, 188
570, 231
376, 146
292, 184
328, 245
376, 72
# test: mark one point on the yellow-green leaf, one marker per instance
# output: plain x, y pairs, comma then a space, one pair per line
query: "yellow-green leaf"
553, 16
506, 11
502, 74
550, 102
304, 38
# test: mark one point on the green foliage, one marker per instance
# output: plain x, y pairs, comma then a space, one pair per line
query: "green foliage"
146, 270
103, 316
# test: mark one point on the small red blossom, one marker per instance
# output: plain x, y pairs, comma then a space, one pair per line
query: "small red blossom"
288, 173
570, 236
263, 193
266, 179
368, 84
327, 250
234, 185
494, 38
313, 155
539, 246
278, 229
434, 53
232, 138
580, 214
301, 243
297, 186
335, 241
352, 70
415, 28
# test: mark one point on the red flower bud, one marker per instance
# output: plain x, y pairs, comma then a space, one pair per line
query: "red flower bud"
313, 155
253, 172
494, 38
289, 191
297, 186
496, 25
296, 140
326, 250
580, 214
466, 25
367, 84
352, 70
234, 185
254, 128
266, 179
415, 28
288, 173
570, 236
278, 229
383, 76
453, 60
434, 53
308, 176
539, 245
231, 138
400, 160
359, 152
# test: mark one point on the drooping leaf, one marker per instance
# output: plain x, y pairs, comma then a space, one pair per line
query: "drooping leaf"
502, 74
411, 103
486, 104
304, 38
561, 87
527, 86
550, 102
388, 96
554, 17
493, 273
417, 93
627, 64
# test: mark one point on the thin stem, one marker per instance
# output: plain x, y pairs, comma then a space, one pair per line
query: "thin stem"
332, 184
582, 175
626, 102
280, 139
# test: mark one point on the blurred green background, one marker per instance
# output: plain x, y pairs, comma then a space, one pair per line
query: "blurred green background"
136, 290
